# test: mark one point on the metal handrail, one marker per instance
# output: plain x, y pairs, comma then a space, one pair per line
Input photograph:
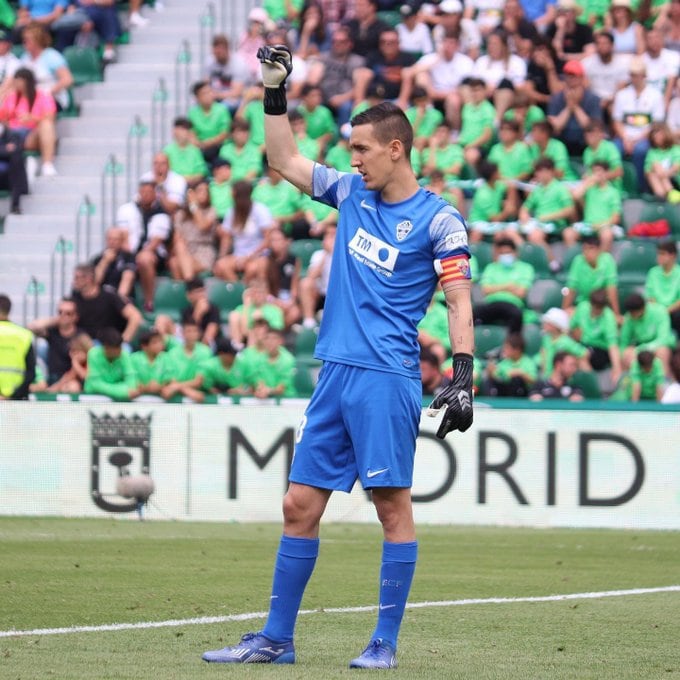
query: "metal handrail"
206, 22
182, 78
133, 164
112, 169
159, 104
34, 289
61, 248
86, 209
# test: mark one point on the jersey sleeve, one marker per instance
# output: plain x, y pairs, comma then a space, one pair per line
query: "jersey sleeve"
330, 186
450, 246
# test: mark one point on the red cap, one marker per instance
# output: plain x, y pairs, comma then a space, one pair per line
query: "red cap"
573, 68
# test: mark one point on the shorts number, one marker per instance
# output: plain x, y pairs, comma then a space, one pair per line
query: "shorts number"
301, 429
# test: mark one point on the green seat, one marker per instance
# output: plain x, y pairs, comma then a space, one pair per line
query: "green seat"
305, 342
634, 259
587, 381
625, 288
303, 249
85, 65
226, 296
569, 256
662, 211
389, 16
483, 252
537, 258
532, 339
170, 298
489, 340
631, 188
306, 375
544, 294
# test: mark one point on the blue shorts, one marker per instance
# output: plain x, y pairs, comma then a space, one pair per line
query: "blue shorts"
359, 424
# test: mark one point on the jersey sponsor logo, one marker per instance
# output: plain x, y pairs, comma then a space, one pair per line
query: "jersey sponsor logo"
373, 252
454, 268
456, 240
365, 204
404, 229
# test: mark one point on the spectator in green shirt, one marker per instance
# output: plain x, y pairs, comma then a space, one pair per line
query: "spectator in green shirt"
547, 211
524, 112
339, 155
433, 330
478, 116
511, 154
275, 374
437, 185
662, 162
441, 154
248, 358
185, 158
149, 362
321, 125
544, 145
210, 120
244, 155
601, 206
284, 202
505, 283
646, 326
307, 146
220, 373
557, 385
647, 378
663, 282
594, 325
109, 368
256, 305
555, 327
592, 269
423, 116
221, 195
599, 148
251, 110
514, 374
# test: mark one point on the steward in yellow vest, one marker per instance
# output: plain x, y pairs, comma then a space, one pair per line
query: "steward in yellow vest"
17, 359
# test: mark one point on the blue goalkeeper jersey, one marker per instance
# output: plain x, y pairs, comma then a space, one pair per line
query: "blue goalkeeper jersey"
383, 271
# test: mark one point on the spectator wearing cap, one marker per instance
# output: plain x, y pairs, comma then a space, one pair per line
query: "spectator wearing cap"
629, 35
184, 157
414, 34
571, 38
9, 62
555, 338
365, 28
450, 18
226, 72
635, 108
252, 39
571, 110
663, 65
210, 121
606, 70
221, 196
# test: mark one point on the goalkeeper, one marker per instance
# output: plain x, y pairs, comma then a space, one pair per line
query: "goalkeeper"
394, 240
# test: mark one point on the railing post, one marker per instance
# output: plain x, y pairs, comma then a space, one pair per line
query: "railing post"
182, 63
159, 103
133, 165
85, 209
61, 248
34, 288
112, 169
207, 23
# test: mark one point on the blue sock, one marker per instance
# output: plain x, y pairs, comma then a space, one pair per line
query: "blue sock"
396, 574
295, 562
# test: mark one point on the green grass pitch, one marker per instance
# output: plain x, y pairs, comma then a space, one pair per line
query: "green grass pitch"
59, 573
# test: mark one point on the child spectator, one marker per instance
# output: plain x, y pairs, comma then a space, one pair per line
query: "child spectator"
274, 373
185, 158
184, 366
662, 163
423, 116
73, 379
314, 286
647, 379
431, 376
514, 374
244, 155
220, 374
149, 362
282, 274
555, 327
594, 325
602, 206
593, 269
339, 156
437, 185
494, 203
477, 127
557, 386
320, 123
202, 312
109, 368
599, 148
221, 193
663, 282
441, 154
251, 110
544, 145
249, 357
307, 146
547, 211
524, 112
283, 200
510, 154
210, 121
256, 305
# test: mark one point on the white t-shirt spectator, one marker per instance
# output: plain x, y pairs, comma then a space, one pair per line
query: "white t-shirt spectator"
247, 240
661, 69
446, 75
323, 259
45, 69
605, 79
470, 37
638, 112
419, 40
174, 185
493, 71
129, 217
488, 13
9, 63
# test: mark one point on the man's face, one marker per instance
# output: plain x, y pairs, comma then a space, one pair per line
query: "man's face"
568, 367
221, 53
603, 46
155, 346
115, 239
82, 280
341, 44
664, 259
147, 194
371, 159
67, 312
112, 353
192, 334
590, 253
161, 167
389, 44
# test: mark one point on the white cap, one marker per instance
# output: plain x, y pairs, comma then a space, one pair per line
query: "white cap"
558, 318
258, 14
451, 6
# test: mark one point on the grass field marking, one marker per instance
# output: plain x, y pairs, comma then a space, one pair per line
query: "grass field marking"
203, 620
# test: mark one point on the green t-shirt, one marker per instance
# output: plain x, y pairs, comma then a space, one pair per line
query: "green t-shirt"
320, 121
113, 379
243, 161
494, 274
221, 197
448, 159
474, 120
525, 364
584, 279
602, 205
649, 380
147, 371
308, 147
487, 202
514, 162
666, 157
562, 343
275, 372
7, 16
534, 114
209, 124
596, 331
253, 112
340, 158
436, 324
425, 124
557, 152
215, 375
277, 9
605, 151
282, 199
272, 314
245, 366
543, 201
651, 331
187, 161
320, 210
181, 366
663, 287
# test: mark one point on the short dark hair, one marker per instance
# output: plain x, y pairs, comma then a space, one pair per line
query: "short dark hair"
197, 87
195, 284
510, 125
240, 124
389, 122
429, 357
601, 164
634, 303
544, 163
561, 356
145, 337
182, 122
544, 125
669, 247
224, 346
505, 242
516, 341
110, 337
591, 240
486, 169
5, 305
645, 359
598, 298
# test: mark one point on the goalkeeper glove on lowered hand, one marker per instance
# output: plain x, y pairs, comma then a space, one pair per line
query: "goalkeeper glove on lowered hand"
276, 65
456, 399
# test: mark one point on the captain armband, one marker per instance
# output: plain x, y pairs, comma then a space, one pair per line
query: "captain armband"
454, 268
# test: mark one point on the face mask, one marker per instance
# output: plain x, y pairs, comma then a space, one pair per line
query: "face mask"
506, 259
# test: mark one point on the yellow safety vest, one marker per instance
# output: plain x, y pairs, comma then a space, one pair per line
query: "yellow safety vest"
14, 344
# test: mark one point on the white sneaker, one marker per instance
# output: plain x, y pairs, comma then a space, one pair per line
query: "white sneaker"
108, 55
159, 6
48, 170
31, 170
137, 20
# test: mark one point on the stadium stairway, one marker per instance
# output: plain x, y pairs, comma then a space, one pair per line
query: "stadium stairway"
102, 152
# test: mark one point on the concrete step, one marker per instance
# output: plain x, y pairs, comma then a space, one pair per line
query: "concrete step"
104, 127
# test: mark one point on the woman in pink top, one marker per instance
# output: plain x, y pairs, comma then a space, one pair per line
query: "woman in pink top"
32, 114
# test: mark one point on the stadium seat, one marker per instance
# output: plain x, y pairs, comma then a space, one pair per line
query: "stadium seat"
661, 210
569, 256
305, 342
303, 249
532, 339
306, 375
626, 288
630, 180
170, 298
85, 65
489, 340
227, 296
587, 381
634, 259
483, 252
544, 294
537, 258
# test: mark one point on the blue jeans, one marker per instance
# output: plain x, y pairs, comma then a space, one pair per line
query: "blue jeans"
638, 158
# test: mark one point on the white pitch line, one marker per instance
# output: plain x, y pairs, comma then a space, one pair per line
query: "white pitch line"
336, 610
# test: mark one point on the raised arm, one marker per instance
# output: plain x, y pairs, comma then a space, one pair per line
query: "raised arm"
280, 146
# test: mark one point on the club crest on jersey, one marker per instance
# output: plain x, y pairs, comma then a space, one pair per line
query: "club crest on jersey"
404, 229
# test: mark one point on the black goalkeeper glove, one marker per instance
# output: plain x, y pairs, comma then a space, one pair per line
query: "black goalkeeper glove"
456, 399
277, 64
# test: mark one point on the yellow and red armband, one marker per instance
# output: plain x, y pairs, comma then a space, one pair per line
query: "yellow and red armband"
454, 268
